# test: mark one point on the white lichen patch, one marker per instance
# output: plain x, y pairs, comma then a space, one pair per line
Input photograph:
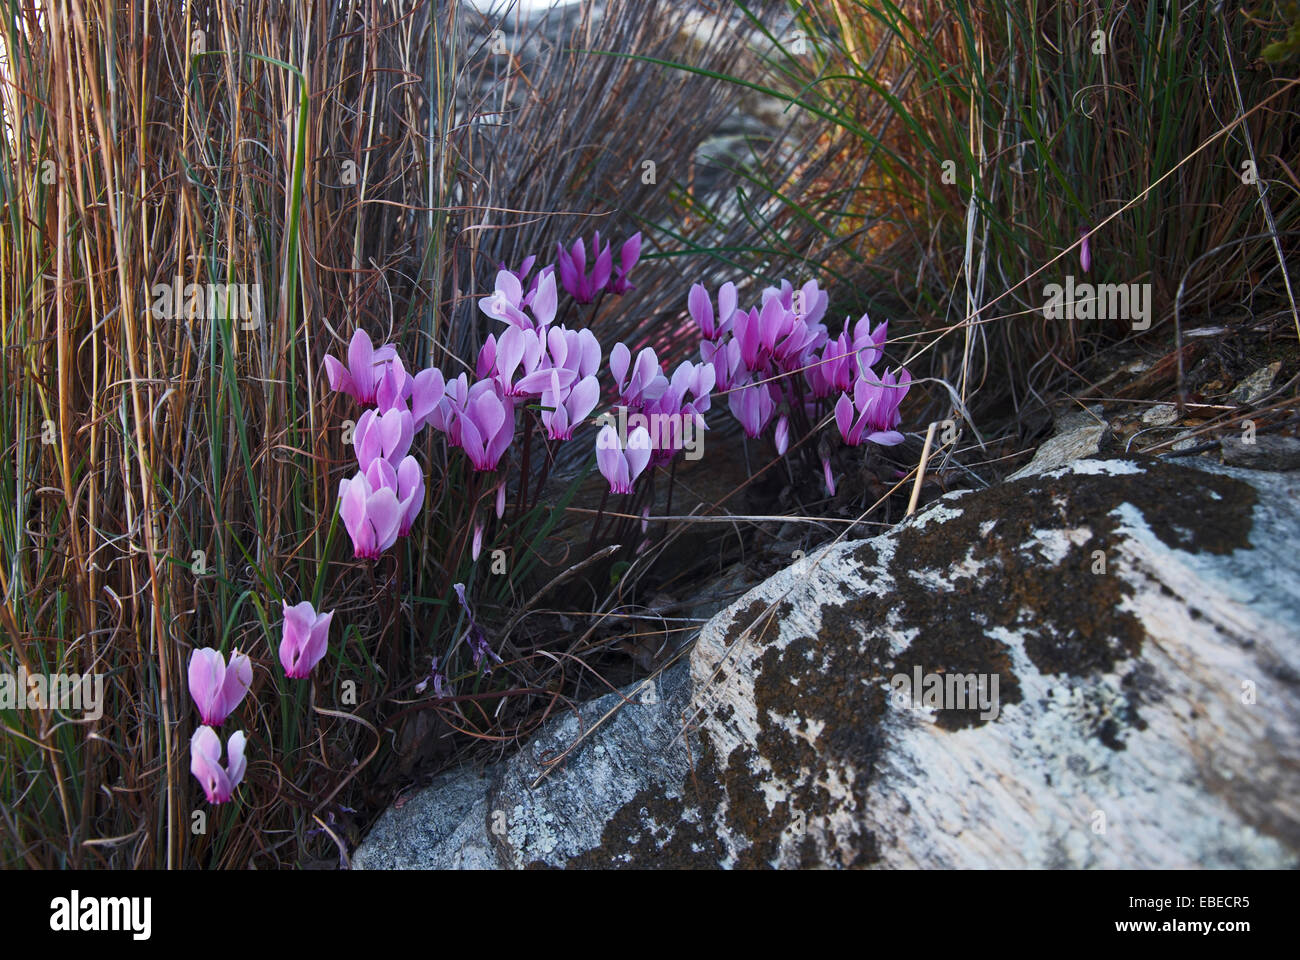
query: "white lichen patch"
1098, 468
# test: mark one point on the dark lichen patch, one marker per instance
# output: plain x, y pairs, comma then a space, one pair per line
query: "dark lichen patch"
978, 660
819, 708
866, 555
748, 815
760, 628
1069, 615
653, 830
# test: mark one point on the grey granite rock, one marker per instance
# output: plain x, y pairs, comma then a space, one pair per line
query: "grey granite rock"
1139, 617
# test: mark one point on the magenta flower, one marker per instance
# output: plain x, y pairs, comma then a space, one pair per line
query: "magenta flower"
506, 301
543, 300
700, 307
216, 687
218, 782
387, 435
671, 411
444, 415
371, 515
873, 413
644, 383
427, 390
810, 304
394, 388
305, 639
517, 350
835, 370
487, 425
797, 340
724, 357
696, 379
782, 436
407, 481
366, 366
628, 255
807, 304
758, 330
576, 350
753, 406
1085, 253
568, 407
869, 344
622, 467
572, 267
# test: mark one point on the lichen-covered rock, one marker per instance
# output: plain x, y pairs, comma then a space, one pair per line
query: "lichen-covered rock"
1092, 666
541, 807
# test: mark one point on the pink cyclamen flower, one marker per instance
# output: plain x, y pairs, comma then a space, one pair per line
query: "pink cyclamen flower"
217, 687
394, 390
407, 481
869, 342
410, 493
506, 301
305, 639
572, 267
445, 414
698, 380
797, 342
517, 350
371, 515
834, 370
758, 331
487, 425
1085, 254
568, 407
427, 390
621, 467
724, 357
782, 437
645, 381
628, 255
387, 435
809, 303
218, 782
366, 366
753, 406
873, 413
543, 300
700, 307
576, 350
524, 268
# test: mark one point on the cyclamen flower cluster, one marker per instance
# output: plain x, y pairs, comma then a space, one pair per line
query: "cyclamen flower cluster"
533, 358
778, 361
217, 687
560, 367
380, 503
657, 413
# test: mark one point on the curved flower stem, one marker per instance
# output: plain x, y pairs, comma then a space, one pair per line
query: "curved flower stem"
595, 524
672, 481
524, 468
546, 472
